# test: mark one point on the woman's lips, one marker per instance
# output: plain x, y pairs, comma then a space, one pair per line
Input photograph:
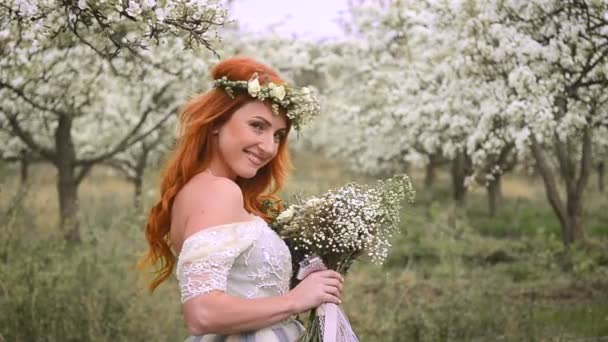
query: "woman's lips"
254, 158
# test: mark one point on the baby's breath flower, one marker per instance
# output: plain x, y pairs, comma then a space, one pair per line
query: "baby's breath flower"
346, 223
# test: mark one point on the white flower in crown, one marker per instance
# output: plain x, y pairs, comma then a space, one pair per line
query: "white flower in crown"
286, 215
253, 87
278, 92
306, 94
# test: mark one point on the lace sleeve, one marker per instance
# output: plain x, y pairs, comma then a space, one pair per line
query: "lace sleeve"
207, 257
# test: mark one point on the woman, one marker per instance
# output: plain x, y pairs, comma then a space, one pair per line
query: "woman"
233, 270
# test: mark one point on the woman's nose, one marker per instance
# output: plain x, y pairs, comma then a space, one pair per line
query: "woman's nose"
268, 145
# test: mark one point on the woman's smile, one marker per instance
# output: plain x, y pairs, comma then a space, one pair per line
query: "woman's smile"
256, 159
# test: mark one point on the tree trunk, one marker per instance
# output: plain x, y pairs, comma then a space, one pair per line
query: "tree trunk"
24, 164
575, 217
458, 172
67, 188
140, 168
494, 195
137, 200
429, 175
570, 214
600, 175
67, 180
551, 190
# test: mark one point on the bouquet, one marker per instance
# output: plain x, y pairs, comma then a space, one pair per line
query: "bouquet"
334, 230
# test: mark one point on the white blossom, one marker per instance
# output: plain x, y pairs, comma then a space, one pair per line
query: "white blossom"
278, 92
253, 87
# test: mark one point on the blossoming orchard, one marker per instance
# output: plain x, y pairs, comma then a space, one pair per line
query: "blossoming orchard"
82, 82
477, 88
484, 86
449, 156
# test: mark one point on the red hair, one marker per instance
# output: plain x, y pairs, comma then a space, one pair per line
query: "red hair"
193, 154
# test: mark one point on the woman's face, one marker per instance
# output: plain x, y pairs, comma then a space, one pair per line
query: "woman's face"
247, 141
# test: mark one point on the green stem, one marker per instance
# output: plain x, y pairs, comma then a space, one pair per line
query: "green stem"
313, 330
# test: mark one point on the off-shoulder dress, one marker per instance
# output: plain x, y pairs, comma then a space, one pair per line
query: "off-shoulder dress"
244, 259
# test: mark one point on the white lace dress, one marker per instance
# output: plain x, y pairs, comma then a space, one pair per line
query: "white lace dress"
243, 259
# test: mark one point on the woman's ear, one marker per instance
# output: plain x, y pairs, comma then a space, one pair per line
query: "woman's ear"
215, 130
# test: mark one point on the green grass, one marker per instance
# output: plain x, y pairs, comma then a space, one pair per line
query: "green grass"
452, 275
517, 219
578, 319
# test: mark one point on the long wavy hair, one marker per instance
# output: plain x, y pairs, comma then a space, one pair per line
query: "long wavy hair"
194, 151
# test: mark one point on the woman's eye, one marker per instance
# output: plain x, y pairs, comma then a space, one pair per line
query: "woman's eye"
257, 126
279, 136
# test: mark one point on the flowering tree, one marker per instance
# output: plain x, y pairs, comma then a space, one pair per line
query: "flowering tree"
492, 133
552, 57
82, 81
600, 148
403, 105
482, 84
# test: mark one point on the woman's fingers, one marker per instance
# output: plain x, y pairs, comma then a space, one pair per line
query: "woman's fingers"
335, 283
331, 285
332, 299
331, 274
334, 291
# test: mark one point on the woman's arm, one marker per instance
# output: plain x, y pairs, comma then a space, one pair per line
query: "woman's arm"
219, 313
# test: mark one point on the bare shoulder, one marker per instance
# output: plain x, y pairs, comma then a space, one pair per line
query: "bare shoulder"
206, 188
207, 201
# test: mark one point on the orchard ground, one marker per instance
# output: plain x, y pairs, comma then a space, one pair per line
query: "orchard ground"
454, 274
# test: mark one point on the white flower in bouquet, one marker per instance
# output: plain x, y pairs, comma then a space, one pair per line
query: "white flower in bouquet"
313, 202
285, 215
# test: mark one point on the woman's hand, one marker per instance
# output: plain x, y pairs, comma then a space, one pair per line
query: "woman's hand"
317, 288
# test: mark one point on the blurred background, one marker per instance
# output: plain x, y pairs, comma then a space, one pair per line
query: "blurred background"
496, 109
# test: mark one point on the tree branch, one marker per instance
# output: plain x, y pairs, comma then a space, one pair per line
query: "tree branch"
84, 170
27, 138
588, 68
22, 95
586, 162
126, 142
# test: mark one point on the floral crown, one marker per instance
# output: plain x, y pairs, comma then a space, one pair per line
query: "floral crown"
299, 103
